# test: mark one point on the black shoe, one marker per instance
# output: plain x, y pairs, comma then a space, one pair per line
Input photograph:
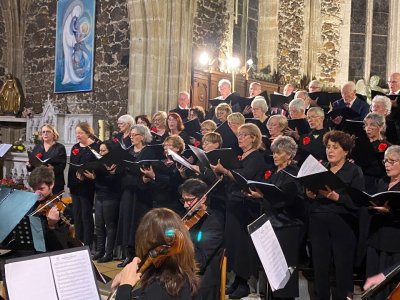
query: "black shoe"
105, 258
126, 261
97, 255
240, 292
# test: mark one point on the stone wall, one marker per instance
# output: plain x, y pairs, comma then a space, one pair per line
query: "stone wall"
110, 85
3, 48
211, 28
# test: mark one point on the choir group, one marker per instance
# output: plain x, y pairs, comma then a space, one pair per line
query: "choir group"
155, 169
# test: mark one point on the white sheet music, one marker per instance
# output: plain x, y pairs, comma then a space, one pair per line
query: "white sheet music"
4, 148
73, 276
30, 279
311, 166
271, 256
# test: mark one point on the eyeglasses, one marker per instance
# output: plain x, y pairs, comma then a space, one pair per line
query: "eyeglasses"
188, 200
46, 131
135, 134
243, 134
390, 161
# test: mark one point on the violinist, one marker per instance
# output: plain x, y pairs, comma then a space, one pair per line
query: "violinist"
206, 234
41, 181
176, 277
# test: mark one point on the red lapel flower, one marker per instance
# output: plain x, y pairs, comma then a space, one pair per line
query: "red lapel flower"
75, 151
306, 140
382, 147
115, 140
267, 174
197, 143
239, 157
154, 129
39, 155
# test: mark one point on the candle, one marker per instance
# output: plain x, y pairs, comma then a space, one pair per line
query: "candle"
101, 130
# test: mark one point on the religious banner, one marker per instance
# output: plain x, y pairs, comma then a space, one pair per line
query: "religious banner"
74, 46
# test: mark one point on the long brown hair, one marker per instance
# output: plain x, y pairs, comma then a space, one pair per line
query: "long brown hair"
176, 269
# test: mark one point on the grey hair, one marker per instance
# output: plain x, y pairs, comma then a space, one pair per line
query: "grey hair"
286, 144
298, 104
224, 82
128, 119
378, 119
259, 102
144, 131
349, 84
394, 149
316, 83
385, 100
318, 111
282, 121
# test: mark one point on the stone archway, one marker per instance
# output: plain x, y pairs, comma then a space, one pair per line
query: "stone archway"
160, 53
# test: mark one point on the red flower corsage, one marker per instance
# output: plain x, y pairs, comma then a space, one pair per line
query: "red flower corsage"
115, 140
267, 174
239, 157
197, 143
39, 155
306, 140
154, 129
382, 147
75, 151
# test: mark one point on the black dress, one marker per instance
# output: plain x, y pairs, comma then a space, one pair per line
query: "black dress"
240, 212
311, 143
286, 215
333, 226
135, 201
59, 159
207, 236
82, 193
384, 243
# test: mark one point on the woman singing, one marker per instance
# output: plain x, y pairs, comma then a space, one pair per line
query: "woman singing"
48, 149
81, 189
333, 220
176, 278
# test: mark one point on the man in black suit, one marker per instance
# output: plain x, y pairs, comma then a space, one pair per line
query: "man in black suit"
183, 105
207, 237
350, 99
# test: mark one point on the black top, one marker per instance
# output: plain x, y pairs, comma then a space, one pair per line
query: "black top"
120, 140
311, 143
81, 155
59, 159
154, 291
351, 175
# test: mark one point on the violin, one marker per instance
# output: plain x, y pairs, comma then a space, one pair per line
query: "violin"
55, 201
156, 256
395, 294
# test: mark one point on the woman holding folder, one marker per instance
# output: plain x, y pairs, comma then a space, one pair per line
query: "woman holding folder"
333, 220
135, 201
240, 211
53, 153
383, 243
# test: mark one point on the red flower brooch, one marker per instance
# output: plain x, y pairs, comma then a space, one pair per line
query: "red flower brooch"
154, 129
39, 155
75, 151
197, 143
115, 140
239, 157
267, 174
306, 140
382, 147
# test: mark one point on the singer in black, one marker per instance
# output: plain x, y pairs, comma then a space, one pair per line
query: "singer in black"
333, 220
125, 123
49, 148
176, 278
82, 189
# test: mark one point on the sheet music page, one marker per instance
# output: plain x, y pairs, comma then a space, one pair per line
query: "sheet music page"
73, 276
271, 255
4, 148
30, 279
311, 166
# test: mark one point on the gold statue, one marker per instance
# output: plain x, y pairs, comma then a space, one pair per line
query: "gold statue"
10, 96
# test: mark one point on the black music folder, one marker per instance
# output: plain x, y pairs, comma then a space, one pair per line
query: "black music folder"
300, 125
314, 176
394, 97
325, 99
65, 274
229, 139
135, 166
226, 156
216, 101
37, 162
277, 100
345, 112
362, 198
192, 127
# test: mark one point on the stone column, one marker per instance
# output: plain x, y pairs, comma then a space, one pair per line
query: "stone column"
393, 58
160, 53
